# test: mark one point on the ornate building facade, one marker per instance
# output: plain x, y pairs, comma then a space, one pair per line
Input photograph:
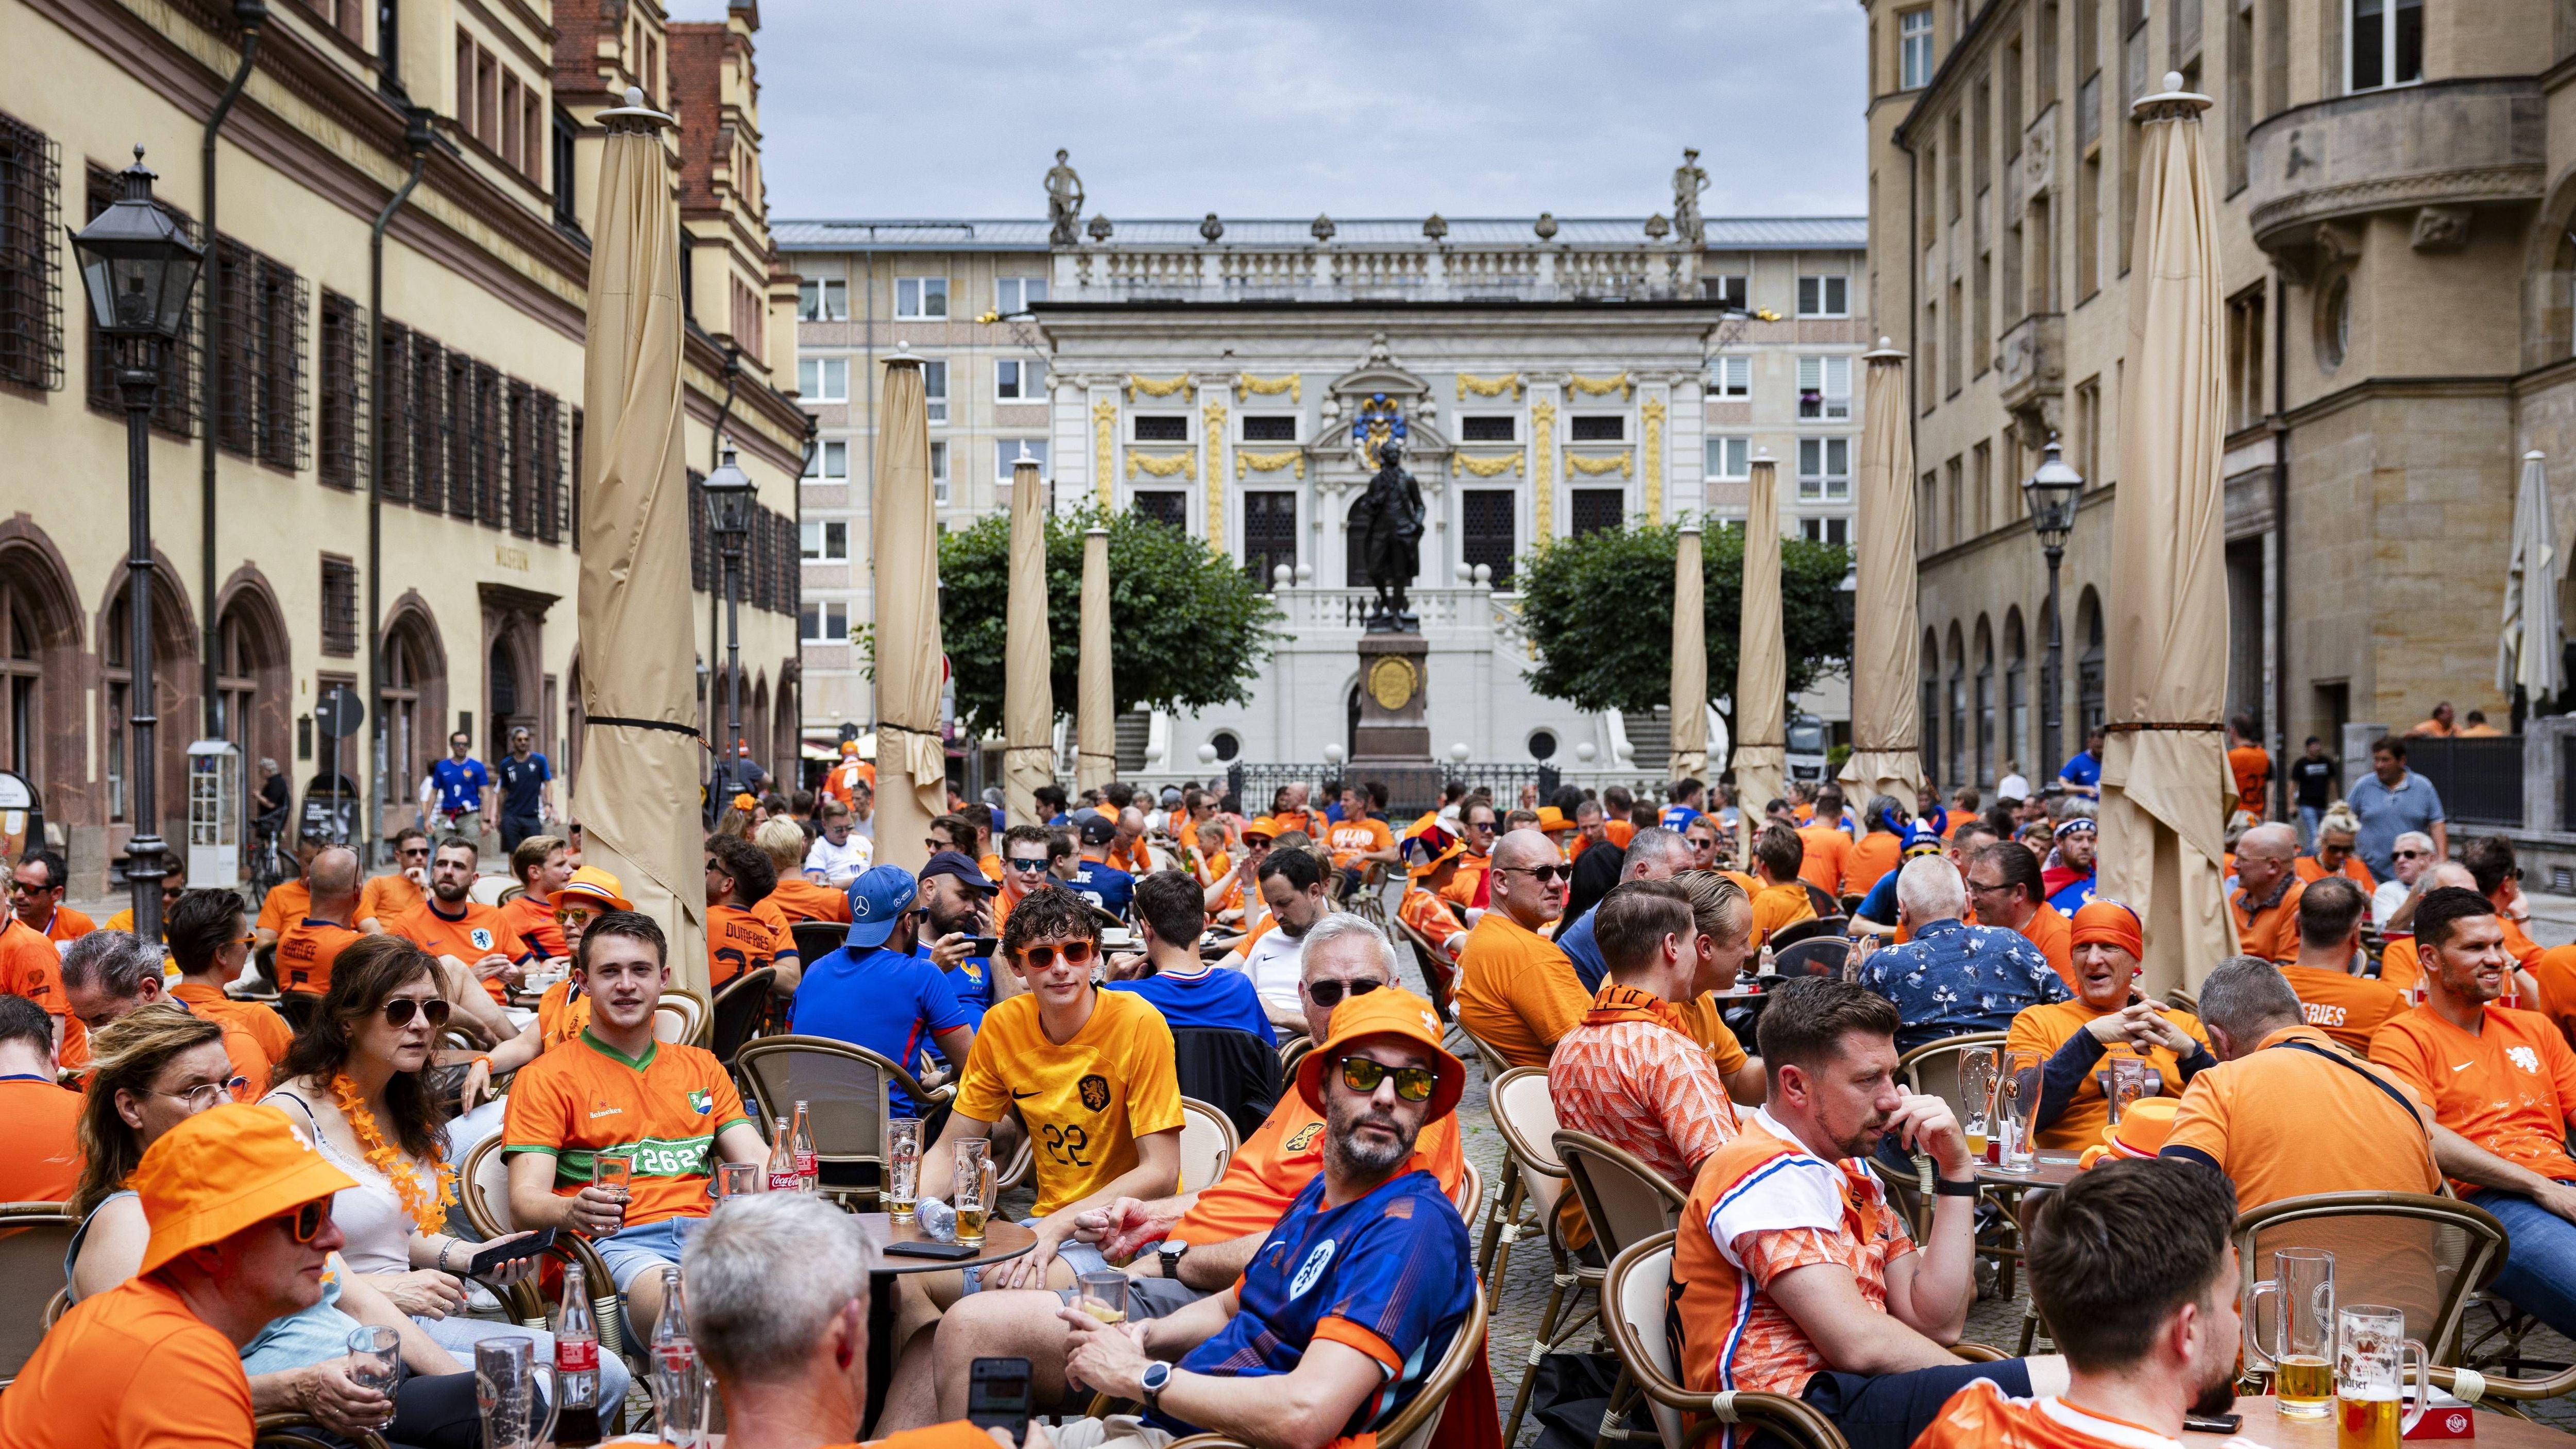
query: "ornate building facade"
1547, 377
451, 423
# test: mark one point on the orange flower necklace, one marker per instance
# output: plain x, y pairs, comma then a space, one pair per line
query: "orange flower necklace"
428, 1210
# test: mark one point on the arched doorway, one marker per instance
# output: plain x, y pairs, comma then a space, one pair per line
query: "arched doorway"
502, 705
41, 673
411, 710
787, 729
253, 684
174, 705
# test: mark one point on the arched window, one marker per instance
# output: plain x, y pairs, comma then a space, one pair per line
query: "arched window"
1957, 773
410, 706
2088, 669
22, 725
2016, 746
1929, 746
1985, 774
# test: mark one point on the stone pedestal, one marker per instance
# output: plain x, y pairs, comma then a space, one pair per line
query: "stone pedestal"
1393, 742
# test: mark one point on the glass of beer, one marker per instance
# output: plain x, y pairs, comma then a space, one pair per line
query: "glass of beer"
2301, 1349
2017, 1096
903, 1167
1103, 1295
974, 1188
1976, 1097
2130, 1079
2371, 1348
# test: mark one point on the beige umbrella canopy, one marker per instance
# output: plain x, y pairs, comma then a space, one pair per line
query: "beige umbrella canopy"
2163, 770
2528, 646
637, 796
1095, 723
1885, 759
1690, 659
1761, 660
912, 768
1028, 688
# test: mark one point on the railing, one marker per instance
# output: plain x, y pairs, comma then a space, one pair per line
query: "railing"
1645, 272
1413, 790
1310, 609
2479, 780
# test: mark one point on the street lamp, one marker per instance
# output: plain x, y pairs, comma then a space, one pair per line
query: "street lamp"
732, 499
2052, 493
139, 267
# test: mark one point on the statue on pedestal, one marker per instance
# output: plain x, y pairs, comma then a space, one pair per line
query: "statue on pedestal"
1064, 203
1689, 180
1388, 519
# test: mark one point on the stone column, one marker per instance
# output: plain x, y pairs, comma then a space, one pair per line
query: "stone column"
1686, 461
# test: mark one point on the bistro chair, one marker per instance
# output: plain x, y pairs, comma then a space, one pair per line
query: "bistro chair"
848, 1095
1633, 1290
34, 1236
1413, 1425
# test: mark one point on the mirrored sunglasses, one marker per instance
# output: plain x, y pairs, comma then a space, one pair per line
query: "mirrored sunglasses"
1413, 1084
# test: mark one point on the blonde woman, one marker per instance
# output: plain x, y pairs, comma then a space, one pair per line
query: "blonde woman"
2334, 854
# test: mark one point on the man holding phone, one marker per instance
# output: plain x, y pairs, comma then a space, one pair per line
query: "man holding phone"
953, 923
874, 993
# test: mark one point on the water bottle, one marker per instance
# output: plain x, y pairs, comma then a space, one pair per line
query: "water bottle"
782, 1160
679, 1382
800, 1140
576, 1364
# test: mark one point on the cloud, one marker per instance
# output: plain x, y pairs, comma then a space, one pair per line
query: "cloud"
1265, 108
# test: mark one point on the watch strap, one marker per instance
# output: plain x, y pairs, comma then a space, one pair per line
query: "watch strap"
1944, 1187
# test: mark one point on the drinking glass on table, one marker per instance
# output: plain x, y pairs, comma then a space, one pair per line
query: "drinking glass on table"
2131, 1078
973, 1188
733, 1179
376, 1354
1976, 1097
505, 1391
1103, 1295
2371, 1349
903, 1167
2300, 1350
2017, 1094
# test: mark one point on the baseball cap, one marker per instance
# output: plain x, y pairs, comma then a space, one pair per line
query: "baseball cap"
877, 900
1387, 1011
1098, 829
223, 1170
954, 863
1264, 826
1171, 796
1552, 821
593, 884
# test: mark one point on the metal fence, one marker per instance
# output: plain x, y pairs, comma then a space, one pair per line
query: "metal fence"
2479, 780
1411, 789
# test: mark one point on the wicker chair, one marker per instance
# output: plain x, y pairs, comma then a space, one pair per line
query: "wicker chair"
1208, 1143
738, 1012
1934, 1068
1412, 1426
1526, 1118
680, 1017
1439, 973
847, 1097
1626, 1202
483, 1185
33, 1238
1632, 1305
301, 1431
1796, 931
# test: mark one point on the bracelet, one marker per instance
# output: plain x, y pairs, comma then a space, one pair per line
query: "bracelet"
442, 1255
484, 1062
1944, 1187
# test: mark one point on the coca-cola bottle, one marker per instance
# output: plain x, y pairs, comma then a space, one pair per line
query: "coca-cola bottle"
680, 1393
800, 1140
576, 1364
782, 1160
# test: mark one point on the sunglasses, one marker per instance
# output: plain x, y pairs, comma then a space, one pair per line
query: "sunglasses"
1543, 874
1413, 1084
576, 915
414, 852
1026, 863
305, 1223
2402, 854
1328, 994
400, 1011
1075, 953
1481, 827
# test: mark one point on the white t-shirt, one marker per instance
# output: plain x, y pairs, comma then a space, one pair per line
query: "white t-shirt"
2385, 900
838, 865
1276, 966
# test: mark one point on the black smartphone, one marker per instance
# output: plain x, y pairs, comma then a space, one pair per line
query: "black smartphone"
924, 1248
2212, 1423
985, 946
510, 1252
997, 1396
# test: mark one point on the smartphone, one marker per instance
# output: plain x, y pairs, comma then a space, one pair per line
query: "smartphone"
511, 1252
997, 1396
2192, 1423
927, 1249
985, 946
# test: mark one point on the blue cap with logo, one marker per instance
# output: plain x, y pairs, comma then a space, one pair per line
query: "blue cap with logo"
877, 901
1922, 837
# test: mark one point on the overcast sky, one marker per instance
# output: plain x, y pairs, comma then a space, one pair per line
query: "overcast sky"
1174, 108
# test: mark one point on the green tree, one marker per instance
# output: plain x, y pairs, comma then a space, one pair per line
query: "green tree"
1599, 611
1187, 629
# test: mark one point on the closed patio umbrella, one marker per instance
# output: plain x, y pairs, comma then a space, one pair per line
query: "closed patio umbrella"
1028, 687
1690, 658
638, 795
1095, 722
912, 767
2528, 648
1885, 759
1761, 660
2163, 770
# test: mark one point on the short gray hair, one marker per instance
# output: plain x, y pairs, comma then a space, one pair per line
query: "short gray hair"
766, 1275
1342, 923
1929, 889
117, 962
2248, 997
1656, 839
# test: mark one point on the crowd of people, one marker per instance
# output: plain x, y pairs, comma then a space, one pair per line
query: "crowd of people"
271, 1108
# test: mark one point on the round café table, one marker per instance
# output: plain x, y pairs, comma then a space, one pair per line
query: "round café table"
2047, 1169
2265, 1426
1002, 1242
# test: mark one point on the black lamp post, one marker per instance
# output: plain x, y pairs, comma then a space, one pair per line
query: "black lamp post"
732, 499
2052, 493
139, 267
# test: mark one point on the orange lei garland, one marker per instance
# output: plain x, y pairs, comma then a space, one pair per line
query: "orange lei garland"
428, 1216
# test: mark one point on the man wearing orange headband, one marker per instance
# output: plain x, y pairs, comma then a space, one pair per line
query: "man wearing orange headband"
2106, 1018
240, 1207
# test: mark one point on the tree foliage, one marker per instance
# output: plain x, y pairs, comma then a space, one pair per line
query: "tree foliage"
1187, 628
1599, 612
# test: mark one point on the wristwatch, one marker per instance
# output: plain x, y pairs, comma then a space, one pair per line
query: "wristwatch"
1157, 1375
1944, 1187
1171, 1255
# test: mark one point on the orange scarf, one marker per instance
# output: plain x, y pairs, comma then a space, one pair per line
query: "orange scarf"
1617, 1003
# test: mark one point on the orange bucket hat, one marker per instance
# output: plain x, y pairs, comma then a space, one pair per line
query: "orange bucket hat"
2141, 1131
224, 1170
1387, 1011
593, 884
1552, 821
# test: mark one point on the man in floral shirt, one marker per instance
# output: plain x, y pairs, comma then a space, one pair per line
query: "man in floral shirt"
1951, 978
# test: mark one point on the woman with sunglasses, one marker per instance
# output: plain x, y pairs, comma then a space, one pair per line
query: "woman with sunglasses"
354, 1080
154, 1069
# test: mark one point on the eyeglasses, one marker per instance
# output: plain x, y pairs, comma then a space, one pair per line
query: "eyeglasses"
1328, 993
205, 1095
1028, 863
1413, 1084
1075, 953
414, 852
305, 1223
400, 1010
1543, 874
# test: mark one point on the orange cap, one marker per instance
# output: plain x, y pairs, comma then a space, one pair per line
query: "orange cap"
592, 883
1265, 827
2109, 922
744, 802
2141, 1131
1552, 821
1387, 1011
1423, 869
224, 1170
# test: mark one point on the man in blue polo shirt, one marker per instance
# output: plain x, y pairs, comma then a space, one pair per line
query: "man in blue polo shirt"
455, 788
882, 996
1171, 910
2083, 772
1094, 878
1684, 807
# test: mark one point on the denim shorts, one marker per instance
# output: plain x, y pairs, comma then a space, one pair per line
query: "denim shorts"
630, 1253
1074, 1253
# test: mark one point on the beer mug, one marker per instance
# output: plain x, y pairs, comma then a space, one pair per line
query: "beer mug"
2371, 1348
2016, 1098
2301, 1351
1976, 1097
973, 1188
505, 1393
2131, 1078
903, 1167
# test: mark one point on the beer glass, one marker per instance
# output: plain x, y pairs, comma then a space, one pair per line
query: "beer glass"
376, 1360
1103, 1295
2017, 1094
505, 1390
2301, 1350
2131, 1078
1976, 1097
902, 1167
2371, 1348
973, 1189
